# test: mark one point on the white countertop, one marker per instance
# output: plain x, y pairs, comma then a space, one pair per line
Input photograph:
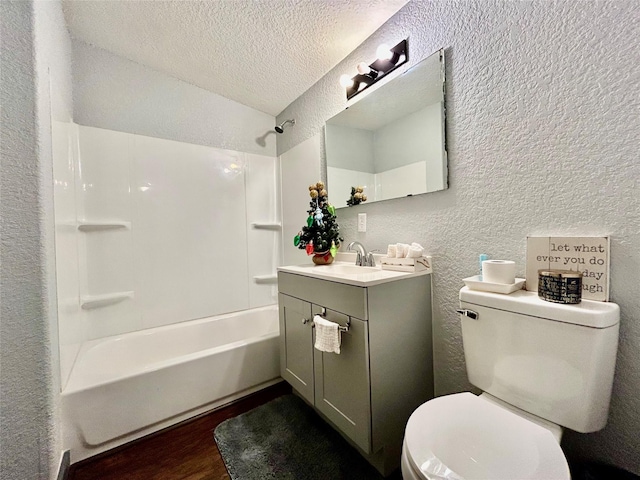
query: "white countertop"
344, 270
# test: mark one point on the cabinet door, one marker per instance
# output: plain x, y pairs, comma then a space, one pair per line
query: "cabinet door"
342, 381
296, 347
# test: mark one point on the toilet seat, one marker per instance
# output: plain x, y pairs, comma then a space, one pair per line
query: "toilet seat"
465, 436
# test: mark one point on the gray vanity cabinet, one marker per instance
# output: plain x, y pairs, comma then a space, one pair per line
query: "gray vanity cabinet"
338, 385
384, 369
342, 381
296, 353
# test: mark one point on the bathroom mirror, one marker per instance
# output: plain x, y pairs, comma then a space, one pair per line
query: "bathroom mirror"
392, 141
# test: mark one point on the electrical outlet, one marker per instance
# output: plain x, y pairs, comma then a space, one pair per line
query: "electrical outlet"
362, 222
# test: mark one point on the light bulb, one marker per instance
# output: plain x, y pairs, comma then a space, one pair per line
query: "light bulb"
346, 81
384, 52
363, 68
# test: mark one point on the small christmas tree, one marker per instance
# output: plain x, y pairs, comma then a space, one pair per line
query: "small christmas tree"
321, 234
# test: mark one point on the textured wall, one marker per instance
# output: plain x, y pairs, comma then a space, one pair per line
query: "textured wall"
117, 94
542, 105
34, 44
54, 101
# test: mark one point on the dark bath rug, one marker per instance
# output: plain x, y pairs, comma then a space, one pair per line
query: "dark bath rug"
286, 439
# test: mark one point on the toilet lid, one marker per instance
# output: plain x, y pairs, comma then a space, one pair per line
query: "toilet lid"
463, 436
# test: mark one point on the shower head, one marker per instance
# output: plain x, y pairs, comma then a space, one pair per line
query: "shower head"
280, 128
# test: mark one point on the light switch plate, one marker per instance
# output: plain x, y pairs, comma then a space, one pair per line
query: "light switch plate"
362, 222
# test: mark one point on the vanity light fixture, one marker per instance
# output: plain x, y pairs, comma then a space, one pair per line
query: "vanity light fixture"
388, 60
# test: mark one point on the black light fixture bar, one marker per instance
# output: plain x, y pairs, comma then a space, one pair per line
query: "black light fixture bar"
379, 69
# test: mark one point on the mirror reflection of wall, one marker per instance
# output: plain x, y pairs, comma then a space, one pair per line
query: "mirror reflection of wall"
392, 141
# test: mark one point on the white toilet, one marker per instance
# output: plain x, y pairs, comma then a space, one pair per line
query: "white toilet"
542, 366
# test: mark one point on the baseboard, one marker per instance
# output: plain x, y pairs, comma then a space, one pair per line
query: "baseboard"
65, 463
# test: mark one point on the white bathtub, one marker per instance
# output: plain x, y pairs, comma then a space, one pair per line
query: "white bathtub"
127, 386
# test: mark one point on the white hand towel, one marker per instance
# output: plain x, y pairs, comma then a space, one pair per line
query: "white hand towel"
391, 251
415, 252
327, 335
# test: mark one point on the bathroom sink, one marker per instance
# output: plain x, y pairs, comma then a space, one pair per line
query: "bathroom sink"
344, 270
348, 269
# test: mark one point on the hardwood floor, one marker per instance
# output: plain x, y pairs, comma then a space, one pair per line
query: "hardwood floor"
186, 451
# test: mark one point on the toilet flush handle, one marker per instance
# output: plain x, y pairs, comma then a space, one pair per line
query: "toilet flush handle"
468, 313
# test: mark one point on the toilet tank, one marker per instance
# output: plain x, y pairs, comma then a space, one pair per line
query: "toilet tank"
554, 361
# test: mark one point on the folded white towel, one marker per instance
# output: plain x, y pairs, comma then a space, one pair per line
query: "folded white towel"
415, 252
391, 251
327, 335
417, 245
401, 250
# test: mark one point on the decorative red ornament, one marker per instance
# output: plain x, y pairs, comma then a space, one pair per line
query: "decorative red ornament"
310, 248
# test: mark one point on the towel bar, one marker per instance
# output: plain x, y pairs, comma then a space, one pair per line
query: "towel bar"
340, 327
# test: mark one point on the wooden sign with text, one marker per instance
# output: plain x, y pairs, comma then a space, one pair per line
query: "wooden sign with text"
589, 255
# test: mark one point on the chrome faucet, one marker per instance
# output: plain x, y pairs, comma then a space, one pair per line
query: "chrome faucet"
363, 258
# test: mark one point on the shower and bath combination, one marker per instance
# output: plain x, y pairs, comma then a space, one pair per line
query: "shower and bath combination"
280, 128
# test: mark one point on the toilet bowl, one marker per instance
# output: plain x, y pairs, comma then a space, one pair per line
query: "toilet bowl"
463, 436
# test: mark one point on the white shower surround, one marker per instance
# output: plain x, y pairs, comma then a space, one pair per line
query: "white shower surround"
179, 242
127, 386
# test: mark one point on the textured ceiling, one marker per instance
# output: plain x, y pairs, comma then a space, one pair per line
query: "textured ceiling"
263, 54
